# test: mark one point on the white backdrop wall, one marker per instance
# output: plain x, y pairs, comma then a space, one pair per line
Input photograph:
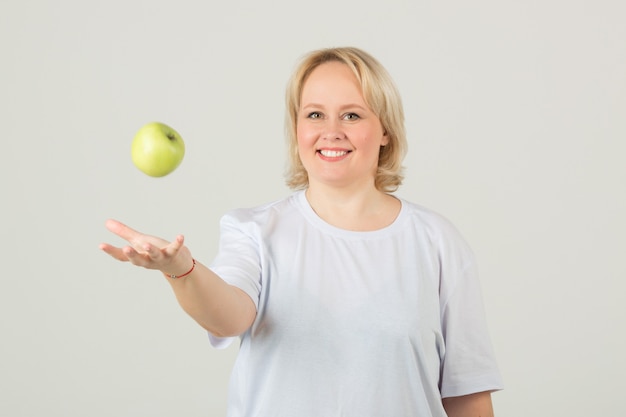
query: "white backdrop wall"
516, 119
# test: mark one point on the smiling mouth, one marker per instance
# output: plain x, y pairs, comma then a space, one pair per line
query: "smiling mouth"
332, 154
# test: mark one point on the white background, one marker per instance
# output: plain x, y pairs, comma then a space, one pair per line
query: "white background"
516, 120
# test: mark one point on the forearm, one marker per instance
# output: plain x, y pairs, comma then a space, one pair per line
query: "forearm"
220, 308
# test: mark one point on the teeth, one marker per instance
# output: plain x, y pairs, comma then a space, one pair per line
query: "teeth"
332, 154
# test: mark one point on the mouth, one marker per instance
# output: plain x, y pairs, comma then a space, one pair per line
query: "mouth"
332, 153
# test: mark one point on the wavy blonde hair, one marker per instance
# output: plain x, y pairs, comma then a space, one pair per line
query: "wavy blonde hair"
380, 94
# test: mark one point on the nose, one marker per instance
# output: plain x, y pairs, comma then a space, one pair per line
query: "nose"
333, 130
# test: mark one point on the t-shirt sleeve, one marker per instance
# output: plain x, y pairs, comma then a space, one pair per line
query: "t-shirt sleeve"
238, 261
469, 365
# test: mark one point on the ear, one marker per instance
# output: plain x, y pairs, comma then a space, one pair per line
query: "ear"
385, 140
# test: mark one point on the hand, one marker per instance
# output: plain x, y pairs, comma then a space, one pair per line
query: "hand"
149, 251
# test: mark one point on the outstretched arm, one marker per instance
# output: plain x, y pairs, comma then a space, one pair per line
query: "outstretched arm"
220, 308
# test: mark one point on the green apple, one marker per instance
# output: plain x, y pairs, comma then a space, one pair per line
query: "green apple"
157, 149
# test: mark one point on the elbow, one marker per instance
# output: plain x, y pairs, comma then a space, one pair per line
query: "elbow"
229, 315
229, 328
225, 331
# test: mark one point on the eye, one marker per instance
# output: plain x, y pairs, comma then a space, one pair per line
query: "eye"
314, 115
351, 116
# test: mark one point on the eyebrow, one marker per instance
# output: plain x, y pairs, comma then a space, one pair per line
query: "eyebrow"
345, 106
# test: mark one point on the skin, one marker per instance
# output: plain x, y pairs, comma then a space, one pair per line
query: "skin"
222, 309
473, 405
333, 117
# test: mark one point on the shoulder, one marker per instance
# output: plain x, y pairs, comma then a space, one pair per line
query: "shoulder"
433, 222
442, 233
259, 216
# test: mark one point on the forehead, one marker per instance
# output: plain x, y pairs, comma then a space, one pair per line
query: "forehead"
331, 78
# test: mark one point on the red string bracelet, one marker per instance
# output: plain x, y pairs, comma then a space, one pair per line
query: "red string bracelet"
172, 276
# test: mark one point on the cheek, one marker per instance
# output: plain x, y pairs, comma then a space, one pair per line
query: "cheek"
301, 143
299, 133
304, 136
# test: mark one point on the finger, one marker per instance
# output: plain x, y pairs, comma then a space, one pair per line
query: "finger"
122, 230
137, 258
150, 256
116, 253
152, 252
168, 251
173, 248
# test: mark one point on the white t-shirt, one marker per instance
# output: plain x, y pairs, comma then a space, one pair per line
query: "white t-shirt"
365, 324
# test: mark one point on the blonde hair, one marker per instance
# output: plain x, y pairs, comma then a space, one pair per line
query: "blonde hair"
380, 94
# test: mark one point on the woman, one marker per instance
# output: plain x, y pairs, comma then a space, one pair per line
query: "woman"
348, 301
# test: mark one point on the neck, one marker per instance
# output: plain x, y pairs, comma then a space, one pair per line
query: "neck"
353, 209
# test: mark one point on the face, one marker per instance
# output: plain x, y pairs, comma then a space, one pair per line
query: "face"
339, 137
